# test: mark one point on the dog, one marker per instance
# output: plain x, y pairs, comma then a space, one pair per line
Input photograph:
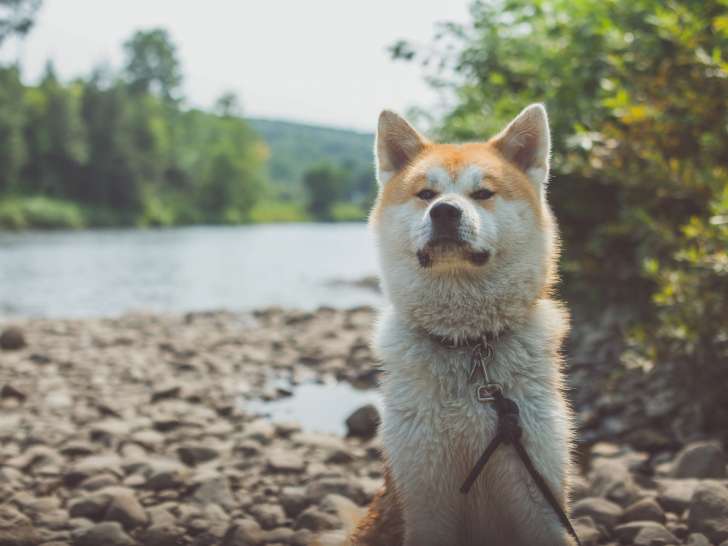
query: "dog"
468, 247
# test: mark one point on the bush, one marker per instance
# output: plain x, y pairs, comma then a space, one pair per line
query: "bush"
40, 213
636, 93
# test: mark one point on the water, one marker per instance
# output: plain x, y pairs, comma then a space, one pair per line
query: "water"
318, 407
110, 272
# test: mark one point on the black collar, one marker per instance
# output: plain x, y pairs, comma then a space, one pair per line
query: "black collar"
486, 338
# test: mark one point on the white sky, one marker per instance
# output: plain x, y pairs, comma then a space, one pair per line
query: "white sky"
320, 61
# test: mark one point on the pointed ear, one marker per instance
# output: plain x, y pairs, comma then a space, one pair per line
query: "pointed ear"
527, 143
397, 144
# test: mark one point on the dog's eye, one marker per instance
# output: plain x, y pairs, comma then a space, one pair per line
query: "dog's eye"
426, 195
482, 194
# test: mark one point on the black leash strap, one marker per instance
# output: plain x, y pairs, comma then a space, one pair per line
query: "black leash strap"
509, 432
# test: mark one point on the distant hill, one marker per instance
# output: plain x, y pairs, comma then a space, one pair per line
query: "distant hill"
295, 147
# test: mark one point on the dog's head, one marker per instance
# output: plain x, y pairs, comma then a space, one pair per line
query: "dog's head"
464, 219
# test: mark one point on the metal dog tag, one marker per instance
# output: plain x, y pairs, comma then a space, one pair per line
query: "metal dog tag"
486, 393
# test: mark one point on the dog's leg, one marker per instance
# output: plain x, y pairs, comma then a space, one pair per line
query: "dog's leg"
383, 525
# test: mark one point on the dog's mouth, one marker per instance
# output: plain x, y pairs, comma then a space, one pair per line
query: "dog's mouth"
451, 251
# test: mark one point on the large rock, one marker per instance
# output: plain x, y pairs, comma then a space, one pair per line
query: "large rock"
125, 508
611, 478
627, 533
108, 533
363, 422
314, 519
269, 516
675, 495
700, 460
654, 535
279, 460
602, 511
587, 531
244, 532
697, 539
12, 339
194, 454
644, 510
709, 511
216, 490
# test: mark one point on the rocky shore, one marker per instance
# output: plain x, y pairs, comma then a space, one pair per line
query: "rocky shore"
136, 431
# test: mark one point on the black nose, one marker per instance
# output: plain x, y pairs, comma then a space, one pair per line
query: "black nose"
445, 213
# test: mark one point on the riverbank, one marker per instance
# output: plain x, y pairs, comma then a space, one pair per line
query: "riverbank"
147, 429
41, 212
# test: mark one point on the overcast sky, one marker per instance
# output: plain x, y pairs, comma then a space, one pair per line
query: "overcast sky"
320, 61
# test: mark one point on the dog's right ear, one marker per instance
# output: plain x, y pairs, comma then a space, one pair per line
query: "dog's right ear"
398, 143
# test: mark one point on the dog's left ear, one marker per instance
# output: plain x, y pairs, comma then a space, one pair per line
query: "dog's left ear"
527, 143
398, 143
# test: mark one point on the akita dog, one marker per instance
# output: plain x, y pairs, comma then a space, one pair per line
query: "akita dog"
468, 248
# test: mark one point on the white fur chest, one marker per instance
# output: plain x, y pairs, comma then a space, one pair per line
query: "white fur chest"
434, 430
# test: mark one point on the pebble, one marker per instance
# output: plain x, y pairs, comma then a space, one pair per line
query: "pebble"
142, 438
12, 339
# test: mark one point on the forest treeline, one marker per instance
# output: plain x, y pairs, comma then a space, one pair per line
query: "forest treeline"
637, 99
121, 147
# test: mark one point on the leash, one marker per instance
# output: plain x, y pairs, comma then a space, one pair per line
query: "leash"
508, 432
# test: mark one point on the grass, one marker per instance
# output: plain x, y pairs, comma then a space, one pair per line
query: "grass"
347, 212
268, 212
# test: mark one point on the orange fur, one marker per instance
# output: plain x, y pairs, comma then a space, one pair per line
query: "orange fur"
501, 176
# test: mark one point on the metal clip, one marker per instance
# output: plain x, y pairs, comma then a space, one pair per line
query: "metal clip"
482, 355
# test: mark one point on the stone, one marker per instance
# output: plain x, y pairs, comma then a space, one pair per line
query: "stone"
627, 532
318, 489
90, 466
709, 511
587, 532
646, 509
12, 339
195, 454
363, 422
91, 507
108, 533
314, 519
602, 511
293, 500
268, 516
124, 508
700, 460
214, 489
10, 391
675, 495
611, 478
339, 456
162, 535
285, 461
282, 535
655, 535
696, 539
244, 532
164, 474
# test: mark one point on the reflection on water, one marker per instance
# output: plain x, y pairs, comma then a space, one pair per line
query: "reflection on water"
317, 407
108, 272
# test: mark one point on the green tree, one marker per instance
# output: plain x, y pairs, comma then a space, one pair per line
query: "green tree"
152, 65
12, 118
55, 138
17, 17
323, 185
228, 105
